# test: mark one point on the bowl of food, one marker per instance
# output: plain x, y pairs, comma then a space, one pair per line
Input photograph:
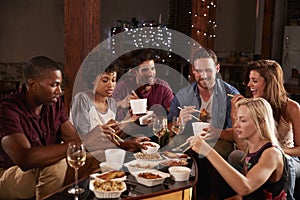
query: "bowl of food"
180, 173
151, 177
152, 147
107, 188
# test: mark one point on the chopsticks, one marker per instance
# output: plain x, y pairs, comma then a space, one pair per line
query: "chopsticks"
182, 145
230, 95
192, 115
203, 137
113, 131
196, 118
187, 148
133, 92
123, 122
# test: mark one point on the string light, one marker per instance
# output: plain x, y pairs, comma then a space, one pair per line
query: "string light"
147, 36
211, 22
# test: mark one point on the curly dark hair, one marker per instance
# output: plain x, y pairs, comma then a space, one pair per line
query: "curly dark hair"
94, 70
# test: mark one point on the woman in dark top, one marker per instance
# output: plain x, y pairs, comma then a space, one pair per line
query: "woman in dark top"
265, 170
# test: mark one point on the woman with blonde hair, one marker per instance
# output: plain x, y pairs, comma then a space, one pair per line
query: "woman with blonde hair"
262, 177
264, 79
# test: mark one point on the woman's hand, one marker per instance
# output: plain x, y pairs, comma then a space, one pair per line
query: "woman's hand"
111, 127
234, 100
125, 103
199, 145
211, 133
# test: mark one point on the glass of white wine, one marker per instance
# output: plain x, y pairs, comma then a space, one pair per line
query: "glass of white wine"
158, 125
76, 156
177, 125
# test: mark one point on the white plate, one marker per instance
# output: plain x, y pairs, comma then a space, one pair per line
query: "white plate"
143, 156
175, 155
173, 162
140, 165
151, 182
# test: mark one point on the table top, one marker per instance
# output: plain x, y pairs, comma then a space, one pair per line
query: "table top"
134, 189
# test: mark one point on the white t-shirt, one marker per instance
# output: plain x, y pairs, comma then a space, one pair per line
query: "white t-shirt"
85, 116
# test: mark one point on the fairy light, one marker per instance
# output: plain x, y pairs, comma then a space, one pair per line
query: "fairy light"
145, 36
209, 5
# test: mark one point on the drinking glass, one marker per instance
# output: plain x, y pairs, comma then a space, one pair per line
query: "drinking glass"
177, 125
158, 125
76, 156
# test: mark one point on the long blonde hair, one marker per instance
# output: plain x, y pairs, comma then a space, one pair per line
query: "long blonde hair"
262, 115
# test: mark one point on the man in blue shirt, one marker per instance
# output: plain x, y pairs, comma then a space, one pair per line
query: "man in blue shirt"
206, 99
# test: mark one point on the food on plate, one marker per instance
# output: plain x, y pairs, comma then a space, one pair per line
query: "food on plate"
111, 175
174, 155
109, 185
143, 166
170, 163
145, 156
170, 154
149, 175
140, 165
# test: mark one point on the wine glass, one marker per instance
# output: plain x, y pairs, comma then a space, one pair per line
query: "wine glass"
76, 156
177, 125
158, 125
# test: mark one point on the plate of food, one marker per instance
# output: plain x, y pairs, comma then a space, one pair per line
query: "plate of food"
172, 155
150, 177
107, 188
140, 165
112, 175
147, 156
173, 162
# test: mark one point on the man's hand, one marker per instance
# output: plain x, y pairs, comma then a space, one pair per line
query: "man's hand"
186, 113
134, 144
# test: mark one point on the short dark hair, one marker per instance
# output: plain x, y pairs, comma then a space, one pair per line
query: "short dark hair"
206, 53
141, 55
35, 67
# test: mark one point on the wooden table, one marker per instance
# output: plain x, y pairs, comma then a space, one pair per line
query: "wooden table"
169, 190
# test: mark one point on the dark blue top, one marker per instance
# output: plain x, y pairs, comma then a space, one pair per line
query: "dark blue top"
221, 105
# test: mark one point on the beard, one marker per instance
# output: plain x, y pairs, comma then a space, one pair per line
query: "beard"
206, 83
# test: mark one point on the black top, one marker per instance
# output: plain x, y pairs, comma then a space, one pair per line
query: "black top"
269, 190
